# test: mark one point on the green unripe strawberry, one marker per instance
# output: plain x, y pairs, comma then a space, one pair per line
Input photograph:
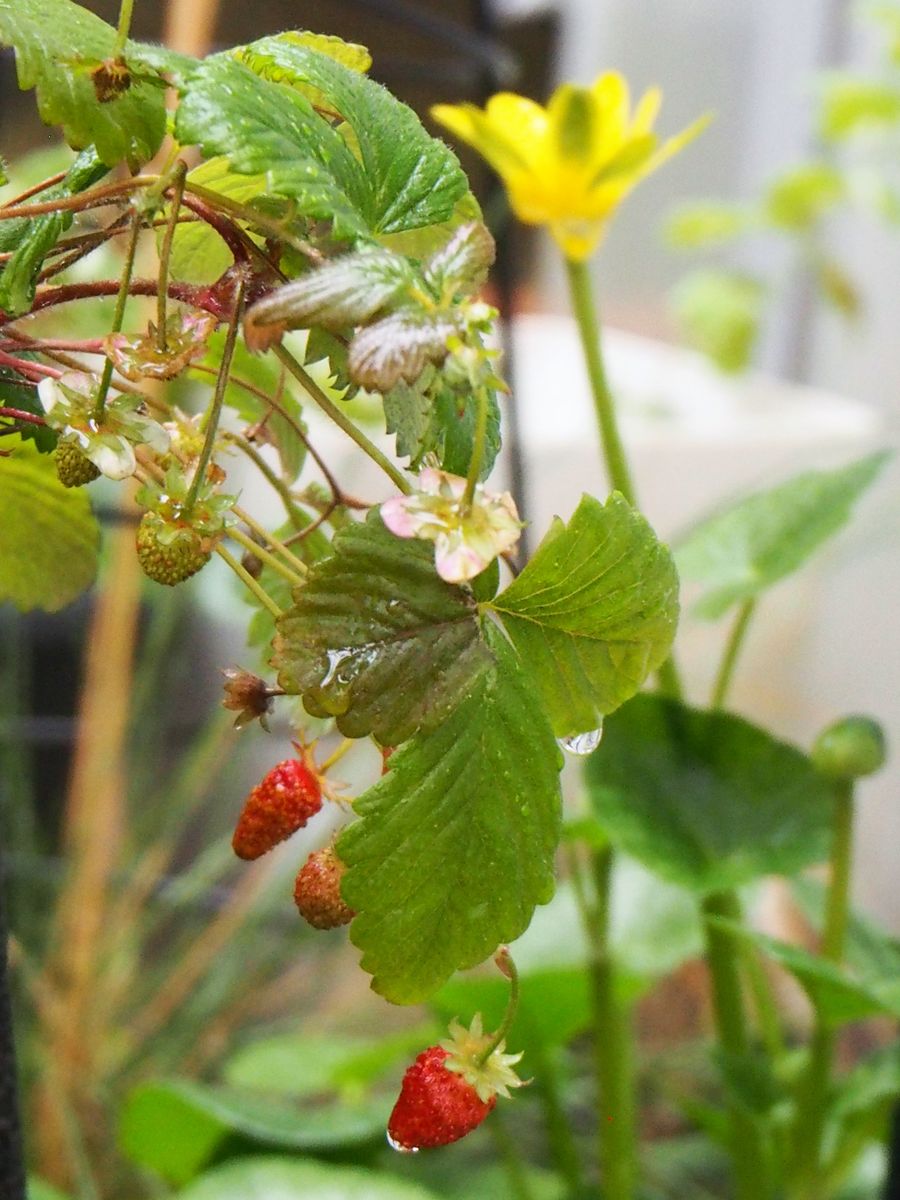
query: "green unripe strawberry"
169, 553
73, 467
850, 748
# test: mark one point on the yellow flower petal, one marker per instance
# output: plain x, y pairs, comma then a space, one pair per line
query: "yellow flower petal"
471, 125
646, 111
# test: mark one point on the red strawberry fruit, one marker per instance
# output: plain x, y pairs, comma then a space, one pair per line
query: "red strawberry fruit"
450, 1089
277, 807
317, 892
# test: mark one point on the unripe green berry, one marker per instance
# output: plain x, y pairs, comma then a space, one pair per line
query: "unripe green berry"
169, 562
850, 748
73, 467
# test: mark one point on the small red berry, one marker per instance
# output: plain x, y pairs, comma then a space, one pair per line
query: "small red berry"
449, 1090
277, 807
317, 892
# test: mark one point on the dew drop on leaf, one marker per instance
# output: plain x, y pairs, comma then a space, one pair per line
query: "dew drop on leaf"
582, 743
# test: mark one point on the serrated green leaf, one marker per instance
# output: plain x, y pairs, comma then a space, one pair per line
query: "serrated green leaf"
836, 995
198, 253
454, 846
376, 639
48, 536
801, 196
281, 1179
593, 612
352, 55
412, 179
719, 313
740, 552
264, 128
851, 103
705, 799
175, 1126
37, 237
704, 223
50, 37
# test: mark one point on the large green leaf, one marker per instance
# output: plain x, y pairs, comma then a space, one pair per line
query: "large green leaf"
281, 1179
376, 639
454, 846
412, 179
175, 1126
55, 41
48, 536
36, 237
740, 552
706, 799
593, 612
198, 252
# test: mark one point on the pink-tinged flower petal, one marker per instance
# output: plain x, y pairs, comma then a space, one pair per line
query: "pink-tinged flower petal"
457, 563
397, 517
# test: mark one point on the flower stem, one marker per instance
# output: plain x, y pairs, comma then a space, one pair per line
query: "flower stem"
252, 547
124, 27
477, 458
118, 315
297, 566
509, 969
215, 411
813, 1090
179, 171
260, 593
340, 419
732, 649
748, 1151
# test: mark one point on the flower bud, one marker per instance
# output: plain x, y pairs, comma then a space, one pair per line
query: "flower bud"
850, 748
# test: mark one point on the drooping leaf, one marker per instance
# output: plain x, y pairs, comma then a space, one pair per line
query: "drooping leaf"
36, 237
175, 1126
740, 552
593, 612
719, 312
48, 536
706, 799
412, 179
281, 1179
266, 129
802, 195
836, 994
376, 639
454, 846
55, 40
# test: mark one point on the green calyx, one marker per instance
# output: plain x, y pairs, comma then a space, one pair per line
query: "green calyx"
850, 748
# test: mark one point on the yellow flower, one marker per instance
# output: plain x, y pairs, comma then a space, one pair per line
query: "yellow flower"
568, 165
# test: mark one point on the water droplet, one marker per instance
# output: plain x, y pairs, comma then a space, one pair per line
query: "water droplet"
399, 1147
583, 743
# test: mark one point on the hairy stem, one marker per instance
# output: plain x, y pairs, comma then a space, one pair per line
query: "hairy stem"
343, 422
179, 171
123, 28
118, 315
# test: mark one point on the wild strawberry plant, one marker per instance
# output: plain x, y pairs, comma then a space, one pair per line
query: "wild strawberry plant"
285, 235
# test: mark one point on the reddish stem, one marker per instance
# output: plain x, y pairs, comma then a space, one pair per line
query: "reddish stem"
38, 187
18, 414
27, 368
233, 237
84, 200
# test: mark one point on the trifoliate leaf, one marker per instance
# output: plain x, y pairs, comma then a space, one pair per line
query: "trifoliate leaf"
705, 799
719, 313
412, 179
264, 128
55, 41
377, 640
801, 196
740, 552
454, 846
48, 535
40, 234
593, 612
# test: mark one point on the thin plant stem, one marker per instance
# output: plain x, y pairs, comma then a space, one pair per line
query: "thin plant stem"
263, 554
765, 1006
292, 509
297, 566
179, 171
93, 198
477, 458
340, 419
260, 593
118, 315
613, 1053
730, 656
123, 28
215, 410
748, 1151
813, 1091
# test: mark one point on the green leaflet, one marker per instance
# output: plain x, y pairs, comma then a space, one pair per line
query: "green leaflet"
48, 535
454, 846
36, 237
376, 639
740, 552
705, 799
56, 42
593, 612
